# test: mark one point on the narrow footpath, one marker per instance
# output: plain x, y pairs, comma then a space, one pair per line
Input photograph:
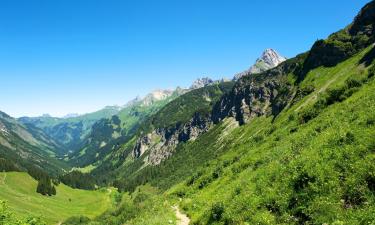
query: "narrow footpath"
182, 218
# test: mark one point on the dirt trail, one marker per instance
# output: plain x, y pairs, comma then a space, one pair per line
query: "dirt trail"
315, 96
182, 218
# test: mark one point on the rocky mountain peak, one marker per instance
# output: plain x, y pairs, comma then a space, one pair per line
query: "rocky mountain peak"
268, 60
271, 58
157, 95
201, 82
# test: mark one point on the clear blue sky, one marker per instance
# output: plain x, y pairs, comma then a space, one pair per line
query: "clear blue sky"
66, 56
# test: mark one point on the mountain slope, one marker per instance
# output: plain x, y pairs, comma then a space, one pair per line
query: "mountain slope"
107, 134
27, 148
179, 121
70, 132
292, 145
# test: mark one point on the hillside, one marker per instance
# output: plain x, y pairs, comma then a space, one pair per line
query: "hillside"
107, 134
292, 145
70, 132
27, 147
287, 143
18, 190
160, 133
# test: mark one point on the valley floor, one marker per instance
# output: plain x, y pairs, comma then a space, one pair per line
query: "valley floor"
19, 191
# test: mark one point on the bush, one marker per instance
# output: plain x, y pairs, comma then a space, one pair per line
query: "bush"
217, 211
204, 182
353, 83
77, 220
308, 114
371, 72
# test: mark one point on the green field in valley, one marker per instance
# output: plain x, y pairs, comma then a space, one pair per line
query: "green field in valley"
19, 191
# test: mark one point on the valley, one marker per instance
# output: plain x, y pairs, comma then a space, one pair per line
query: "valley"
287, 141
18, 189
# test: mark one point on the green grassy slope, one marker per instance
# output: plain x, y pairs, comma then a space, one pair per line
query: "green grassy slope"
18, 189
145, 206
311, 164
290, 171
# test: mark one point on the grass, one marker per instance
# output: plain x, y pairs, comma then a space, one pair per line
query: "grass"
18, 189
317, 172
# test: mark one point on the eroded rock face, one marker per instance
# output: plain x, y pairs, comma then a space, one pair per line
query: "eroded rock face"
162, 142
252, 96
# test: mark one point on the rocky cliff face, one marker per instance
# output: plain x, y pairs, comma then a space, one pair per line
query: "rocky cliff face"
260, 94
162, 142
268, 60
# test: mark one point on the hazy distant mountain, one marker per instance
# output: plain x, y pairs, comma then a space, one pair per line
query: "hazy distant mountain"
70, 115
70, 131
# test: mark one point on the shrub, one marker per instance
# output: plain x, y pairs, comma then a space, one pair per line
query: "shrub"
370, 180
352, 83
217, 211
371, 72
195, 177
304, 91
308, 114
204, 182
77, 220
335, 95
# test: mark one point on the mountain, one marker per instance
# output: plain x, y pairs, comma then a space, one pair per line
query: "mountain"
107, 134
293, 144
290, 145
202, 82
157, 137
268, 60
155, 96
70, 132
27, 147
70, 115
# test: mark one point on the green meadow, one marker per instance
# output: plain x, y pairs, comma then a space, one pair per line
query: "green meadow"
18, 190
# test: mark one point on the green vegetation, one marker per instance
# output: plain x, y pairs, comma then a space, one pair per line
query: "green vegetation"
76, 179
283, 171
293, 145
145, 206
8, 165
182, 109
107, 134
45, 187
68, 133
18, 190
8, 218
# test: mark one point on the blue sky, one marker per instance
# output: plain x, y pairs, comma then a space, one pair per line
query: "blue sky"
66, 56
